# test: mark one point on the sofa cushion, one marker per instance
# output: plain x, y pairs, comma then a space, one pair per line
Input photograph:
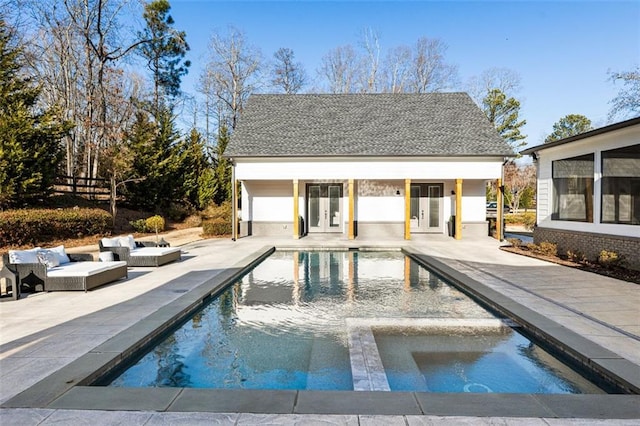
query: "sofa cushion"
128, 242
154, 251
49, 258
24, 256
110, 242
83, 269
62, 254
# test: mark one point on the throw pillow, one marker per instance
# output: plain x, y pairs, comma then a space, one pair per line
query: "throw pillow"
62, 255
48, 258
110, 242
24, 256
124, 242
132, 242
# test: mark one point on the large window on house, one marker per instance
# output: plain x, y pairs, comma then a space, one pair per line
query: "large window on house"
621, 185
573, 189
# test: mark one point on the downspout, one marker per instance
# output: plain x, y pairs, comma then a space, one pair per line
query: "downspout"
500, 203
234, 202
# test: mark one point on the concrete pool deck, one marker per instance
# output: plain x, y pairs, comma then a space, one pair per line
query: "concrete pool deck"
48, 337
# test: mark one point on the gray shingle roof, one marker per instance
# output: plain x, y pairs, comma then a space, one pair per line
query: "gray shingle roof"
431, 124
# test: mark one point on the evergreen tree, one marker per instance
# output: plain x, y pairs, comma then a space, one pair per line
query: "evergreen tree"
155, 164
164, 51
503, 113
222, 169
569, 125
195, 172
30, 148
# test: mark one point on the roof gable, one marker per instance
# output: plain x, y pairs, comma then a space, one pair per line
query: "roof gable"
432, 124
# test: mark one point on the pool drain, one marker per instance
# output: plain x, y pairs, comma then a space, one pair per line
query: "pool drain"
477, 388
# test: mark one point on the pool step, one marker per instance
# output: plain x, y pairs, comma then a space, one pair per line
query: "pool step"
322, 366
366, 365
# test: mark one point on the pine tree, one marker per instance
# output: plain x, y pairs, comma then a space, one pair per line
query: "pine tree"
195, 172
503, 113
164, 52
222, 169
30, 148
141, 143
569, 125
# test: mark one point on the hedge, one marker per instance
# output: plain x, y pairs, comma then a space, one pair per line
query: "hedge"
216, 227
35, 226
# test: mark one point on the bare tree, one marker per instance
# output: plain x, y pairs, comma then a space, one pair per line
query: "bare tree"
287, 75
429, 72
231, 75
340, 68
117, 162
55, 59
504, 79
370, 43
78, 48
627, 103
396, 69
516, 180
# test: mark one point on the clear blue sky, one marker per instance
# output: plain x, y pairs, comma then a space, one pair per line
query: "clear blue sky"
561, 49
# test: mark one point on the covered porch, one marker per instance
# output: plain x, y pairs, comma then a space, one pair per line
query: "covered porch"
362, 208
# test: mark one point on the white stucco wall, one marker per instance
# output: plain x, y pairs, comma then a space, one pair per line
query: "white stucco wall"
269, 201
474, 201
596, 144
392, 168
376, 200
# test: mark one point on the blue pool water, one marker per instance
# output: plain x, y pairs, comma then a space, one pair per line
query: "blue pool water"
349, 321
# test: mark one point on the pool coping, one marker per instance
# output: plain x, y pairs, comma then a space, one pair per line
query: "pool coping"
68, 387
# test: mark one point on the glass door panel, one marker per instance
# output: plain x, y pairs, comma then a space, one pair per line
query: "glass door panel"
314, 208
435, 201
414, 210
325, 207
426, 207
334, 206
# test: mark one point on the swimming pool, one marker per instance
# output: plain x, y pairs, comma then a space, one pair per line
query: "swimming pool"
349, 320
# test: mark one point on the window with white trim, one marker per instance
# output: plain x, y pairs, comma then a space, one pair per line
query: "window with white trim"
573, 189
621, 186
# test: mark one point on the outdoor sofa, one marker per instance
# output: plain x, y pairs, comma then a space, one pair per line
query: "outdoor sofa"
138, 253
55, 270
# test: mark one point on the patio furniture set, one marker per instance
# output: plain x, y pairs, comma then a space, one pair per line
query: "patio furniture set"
54, 269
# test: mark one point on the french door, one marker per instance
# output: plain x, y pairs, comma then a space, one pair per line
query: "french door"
324, 209
426, 207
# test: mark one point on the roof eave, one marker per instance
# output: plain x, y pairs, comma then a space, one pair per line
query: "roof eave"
591, 133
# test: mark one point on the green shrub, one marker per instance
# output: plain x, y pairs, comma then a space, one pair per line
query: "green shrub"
223, 211
139, 225
515, 242
36, 226
193, 221
216, 227
155, 223
545, 248
527, 219
576, 256
177, 212
610, 259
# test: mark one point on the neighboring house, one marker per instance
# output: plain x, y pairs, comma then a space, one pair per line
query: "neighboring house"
371, 165
589, 191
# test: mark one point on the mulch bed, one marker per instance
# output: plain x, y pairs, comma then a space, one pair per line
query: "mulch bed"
618, 273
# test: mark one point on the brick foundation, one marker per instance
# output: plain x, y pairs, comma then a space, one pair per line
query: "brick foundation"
591, 244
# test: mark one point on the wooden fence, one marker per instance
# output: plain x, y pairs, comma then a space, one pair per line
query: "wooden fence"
91, 188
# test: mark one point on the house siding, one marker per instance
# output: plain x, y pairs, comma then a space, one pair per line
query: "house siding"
588, 238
